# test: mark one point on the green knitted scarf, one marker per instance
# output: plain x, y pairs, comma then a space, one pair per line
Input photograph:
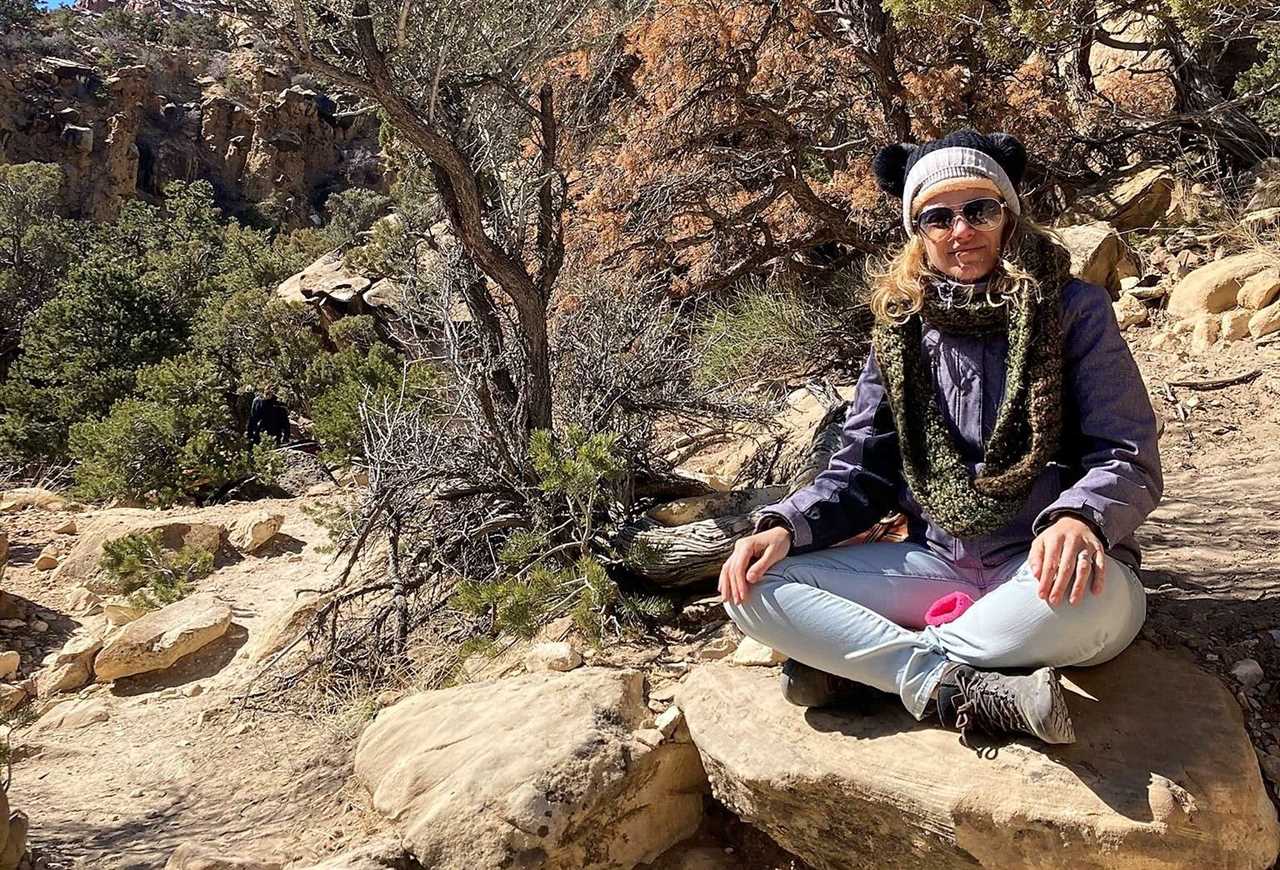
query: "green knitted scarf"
1029, 423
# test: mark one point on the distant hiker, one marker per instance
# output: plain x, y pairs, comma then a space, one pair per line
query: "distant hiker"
1001, 411
269, 416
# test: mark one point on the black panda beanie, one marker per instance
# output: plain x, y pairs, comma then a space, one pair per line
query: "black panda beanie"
912, 172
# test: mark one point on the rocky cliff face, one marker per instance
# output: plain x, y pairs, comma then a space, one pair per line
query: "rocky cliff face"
230, 118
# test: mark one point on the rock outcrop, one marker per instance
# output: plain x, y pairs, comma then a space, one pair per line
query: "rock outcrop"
231, 119
567, 785
1162, 776
155, 641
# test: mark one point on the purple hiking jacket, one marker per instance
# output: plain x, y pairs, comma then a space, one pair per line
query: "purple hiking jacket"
1107, 470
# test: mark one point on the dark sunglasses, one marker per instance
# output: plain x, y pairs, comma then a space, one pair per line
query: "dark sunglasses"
985, 213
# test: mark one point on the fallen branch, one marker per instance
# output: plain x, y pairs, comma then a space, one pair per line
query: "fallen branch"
1219, 383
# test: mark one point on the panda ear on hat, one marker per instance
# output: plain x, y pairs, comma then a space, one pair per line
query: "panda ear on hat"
890, 167
1011, 154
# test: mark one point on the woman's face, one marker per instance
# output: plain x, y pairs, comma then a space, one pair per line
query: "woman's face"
964, 254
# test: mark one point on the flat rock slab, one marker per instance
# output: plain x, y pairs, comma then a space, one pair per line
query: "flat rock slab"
157, 640
1162, 776
537, 771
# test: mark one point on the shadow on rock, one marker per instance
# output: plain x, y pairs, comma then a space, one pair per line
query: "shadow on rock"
194, 666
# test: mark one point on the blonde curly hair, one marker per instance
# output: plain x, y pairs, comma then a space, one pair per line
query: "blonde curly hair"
898, 282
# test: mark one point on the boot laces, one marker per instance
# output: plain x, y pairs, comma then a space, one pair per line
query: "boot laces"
988, 704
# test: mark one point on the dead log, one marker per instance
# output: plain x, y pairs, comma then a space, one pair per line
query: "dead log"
675, 557
691, 553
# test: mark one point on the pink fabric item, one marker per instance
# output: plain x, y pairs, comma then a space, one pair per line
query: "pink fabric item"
947, 608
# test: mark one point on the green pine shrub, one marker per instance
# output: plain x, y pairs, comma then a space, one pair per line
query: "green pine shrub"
153, 576
174, 440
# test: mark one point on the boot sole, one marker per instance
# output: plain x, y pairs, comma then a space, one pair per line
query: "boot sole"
1055, 727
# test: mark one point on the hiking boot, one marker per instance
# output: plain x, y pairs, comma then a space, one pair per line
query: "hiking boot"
809, 687
997, 704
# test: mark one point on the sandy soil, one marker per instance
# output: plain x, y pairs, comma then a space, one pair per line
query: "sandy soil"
166, 768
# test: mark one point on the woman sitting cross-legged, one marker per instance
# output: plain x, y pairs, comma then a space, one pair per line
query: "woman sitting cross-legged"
1001, 411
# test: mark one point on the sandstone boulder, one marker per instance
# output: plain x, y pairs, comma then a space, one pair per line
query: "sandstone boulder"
249, 532
1235, 324
1214, 287
286, 627
34, 497
118, 613
59, 679
157, 640
1204, 333
326, 277
11, 697
1162, 776
1139, 198
751, 653
9, 662
566, 785
1266, 321
1260, 289
15, 844
1098, 254
83, 602
81, 565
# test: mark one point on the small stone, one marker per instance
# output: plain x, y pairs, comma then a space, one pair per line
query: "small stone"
11, 697
9, 663
1130, 311
47, 560
665, 693
1235, 324
716, 648
555, 656
84, 602
752, 653
669, 721
1248, 672
192, 690
39, 626
650, 737
1205, 333
67, 528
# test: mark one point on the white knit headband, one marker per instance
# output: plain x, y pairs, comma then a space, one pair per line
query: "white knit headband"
955, 162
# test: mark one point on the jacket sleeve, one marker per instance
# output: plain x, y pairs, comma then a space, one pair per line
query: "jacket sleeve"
1118, 443
860, 483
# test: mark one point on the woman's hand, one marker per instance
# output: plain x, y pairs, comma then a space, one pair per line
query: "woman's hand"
1068, 557
752, 556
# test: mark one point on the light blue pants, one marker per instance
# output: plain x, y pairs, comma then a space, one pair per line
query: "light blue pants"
858, 612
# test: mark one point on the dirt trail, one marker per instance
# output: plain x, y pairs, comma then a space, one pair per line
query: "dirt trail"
167, 768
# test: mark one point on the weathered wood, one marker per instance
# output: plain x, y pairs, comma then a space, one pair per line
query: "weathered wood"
680, 556
691, 553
